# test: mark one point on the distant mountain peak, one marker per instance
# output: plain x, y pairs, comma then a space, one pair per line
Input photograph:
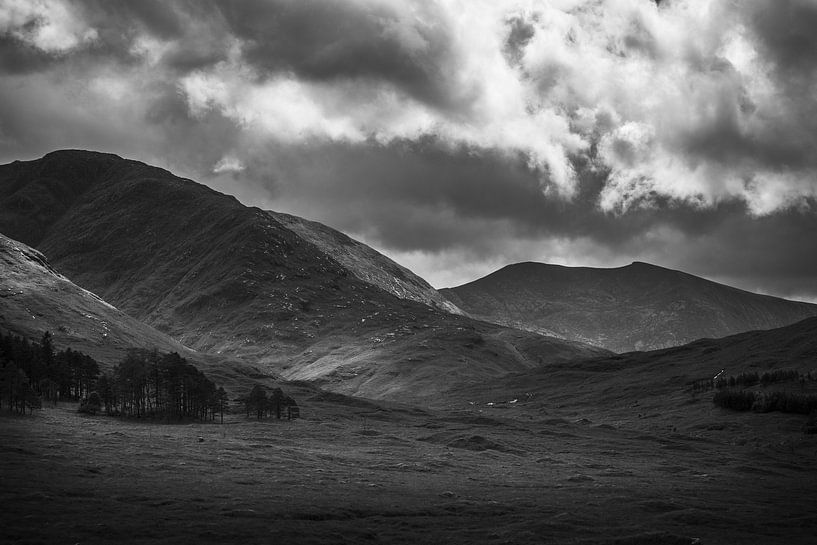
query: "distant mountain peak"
639, 306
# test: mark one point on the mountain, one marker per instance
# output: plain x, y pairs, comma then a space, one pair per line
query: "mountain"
637, 307
366, 263
292, 296
35, 298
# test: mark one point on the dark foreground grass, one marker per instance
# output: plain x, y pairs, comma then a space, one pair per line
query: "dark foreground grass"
397, 477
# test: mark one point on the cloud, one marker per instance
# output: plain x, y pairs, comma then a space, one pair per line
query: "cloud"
228, 163
454, 135
552, 82
785, 32
51, 27
404, 43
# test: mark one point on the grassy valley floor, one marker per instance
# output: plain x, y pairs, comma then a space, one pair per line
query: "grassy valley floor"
365, 473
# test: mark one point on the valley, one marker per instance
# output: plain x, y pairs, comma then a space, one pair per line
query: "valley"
375, 473
509, 410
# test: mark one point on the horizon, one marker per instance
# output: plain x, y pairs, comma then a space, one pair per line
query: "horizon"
456, 140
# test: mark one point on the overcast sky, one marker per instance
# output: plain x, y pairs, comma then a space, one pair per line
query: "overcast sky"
456, 136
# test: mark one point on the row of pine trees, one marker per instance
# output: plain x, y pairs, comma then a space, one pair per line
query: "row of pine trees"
34, 371
261, 405
153, 385
145, 384
764, 402
734, 392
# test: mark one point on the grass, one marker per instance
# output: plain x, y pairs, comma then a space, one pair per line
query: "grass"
371, 473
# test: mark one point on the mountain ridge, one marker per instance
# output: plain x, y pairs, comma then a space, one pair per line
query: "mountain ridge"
367, 264
634, 307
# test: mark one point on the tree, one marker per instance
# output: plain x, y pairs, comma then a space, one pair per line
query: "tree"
47, 349
49, 389
15, 385
221, 400
28, 397
276, 401
262, 405
149, 384
105, 389
257, 401
31, 370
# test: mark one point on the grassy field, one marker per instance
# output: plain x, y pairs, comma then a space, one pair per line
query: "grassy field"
358, 472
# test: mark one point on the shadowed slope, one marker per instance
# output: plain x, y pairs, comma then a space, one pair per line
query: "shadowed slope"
637, 307
657, 384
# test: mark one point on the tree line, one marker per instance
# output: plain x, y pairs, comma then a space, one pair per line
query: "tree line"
145, 384
733, 393
752, 378
149, 384
31, 372
763, 402
258, 403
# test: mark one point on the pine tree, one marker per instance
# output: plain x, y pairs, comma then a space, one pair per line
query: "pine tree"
221, 400
257, 401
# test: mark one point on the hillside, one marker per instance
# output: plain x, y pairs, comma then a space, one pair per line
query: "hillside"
227, 279
637, 307
366, 263
35, 298
656, 385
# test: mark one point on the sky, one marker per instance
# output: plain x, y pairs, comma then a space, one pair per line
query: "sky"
455, 136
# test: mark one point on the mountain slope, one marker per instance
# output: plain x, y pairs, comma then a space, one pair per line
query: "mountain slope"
637, 307
366, 263
228, 279
656, 385
35, 298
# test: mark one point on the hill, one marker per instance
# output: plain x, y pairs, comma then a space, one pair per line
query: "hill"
657, 385
222, 278
366, 263
35, 298
637, 307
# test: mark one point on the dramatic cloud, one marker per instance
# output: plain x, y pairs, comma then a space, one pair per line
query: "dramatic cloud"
455, 136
